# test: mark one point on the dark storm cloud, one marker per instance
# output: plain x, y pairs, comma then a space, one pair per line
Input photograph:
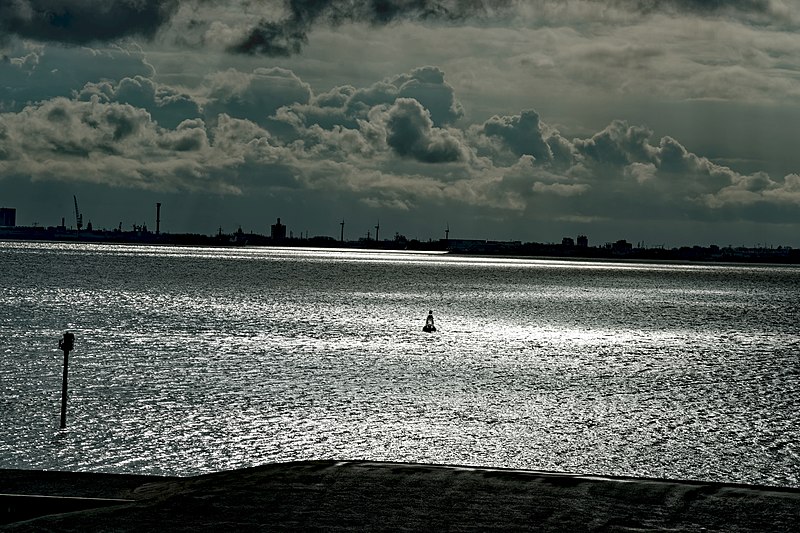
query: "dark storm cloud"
427, 86
257, 95
83, 21
88, 21
166, 105
39, 73
618, 144
287, 36
346, 106
410, 133
522, 133
526, 135
68, 128
190, 135
119, 145
703, 6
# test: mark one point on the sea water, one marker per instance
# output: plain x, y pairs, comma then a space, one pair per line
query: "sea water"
192, 360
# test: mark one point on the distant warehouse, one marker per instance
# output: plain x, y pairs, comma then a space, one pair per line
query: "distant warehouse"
8, 216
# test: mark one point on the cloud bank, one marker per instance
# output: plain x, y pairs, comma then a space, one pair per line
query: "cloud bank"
82, 22
288, 35
268, 130
283, 27
507, 110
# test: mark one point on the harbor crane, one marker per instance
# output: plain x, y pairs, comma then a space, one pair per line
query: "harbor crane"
78, 215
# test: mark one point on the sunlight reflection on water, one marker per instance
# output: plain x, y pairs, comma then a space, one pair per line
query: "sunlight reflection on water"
193, 360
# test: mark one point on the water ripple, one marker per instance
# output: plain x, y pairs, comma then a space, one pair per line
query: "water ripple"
193, 360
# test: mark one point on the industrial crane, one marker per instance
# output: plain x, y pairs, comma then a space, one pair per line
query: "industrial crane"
78, 216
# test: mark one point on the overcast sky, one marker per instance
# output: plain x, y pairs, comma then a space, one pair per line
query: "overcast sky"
656, 121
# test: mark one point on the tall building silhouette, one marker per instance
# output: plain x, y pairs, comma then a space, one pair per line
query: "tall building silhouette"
8, 216
278, 231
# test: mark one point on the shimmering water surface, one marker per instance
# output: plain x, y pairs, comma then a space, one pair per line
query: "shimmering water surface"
193, 360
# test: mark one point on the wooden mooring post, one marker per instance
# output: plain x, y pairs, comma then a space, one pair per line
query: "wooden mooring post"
67, 344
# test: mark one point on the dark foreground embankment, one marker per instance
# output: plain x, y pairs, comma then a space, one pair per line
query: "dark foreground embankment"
363, 496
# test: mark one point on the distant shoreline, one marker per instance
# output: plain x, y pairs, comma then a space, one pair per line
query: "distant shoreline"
620, 250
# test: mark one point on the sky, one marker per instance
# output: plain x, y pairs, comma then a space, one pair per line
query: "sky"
662, 122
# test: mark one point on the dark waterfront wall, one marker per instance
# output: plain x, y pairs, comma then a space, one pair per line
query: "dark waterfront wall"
372, 496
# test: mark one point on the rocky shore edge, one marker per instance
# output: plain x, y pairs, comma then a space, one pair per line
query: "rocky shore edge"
382, 496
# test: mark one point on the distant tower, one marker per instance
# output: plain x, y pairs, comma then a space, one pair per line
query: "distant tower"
447, 233
583, 241
158, 218
377, 228
8, 216
278, 231
341, 238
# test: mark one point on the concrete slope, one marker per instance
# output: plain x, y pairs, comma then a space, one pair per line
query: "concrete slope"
372, 496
